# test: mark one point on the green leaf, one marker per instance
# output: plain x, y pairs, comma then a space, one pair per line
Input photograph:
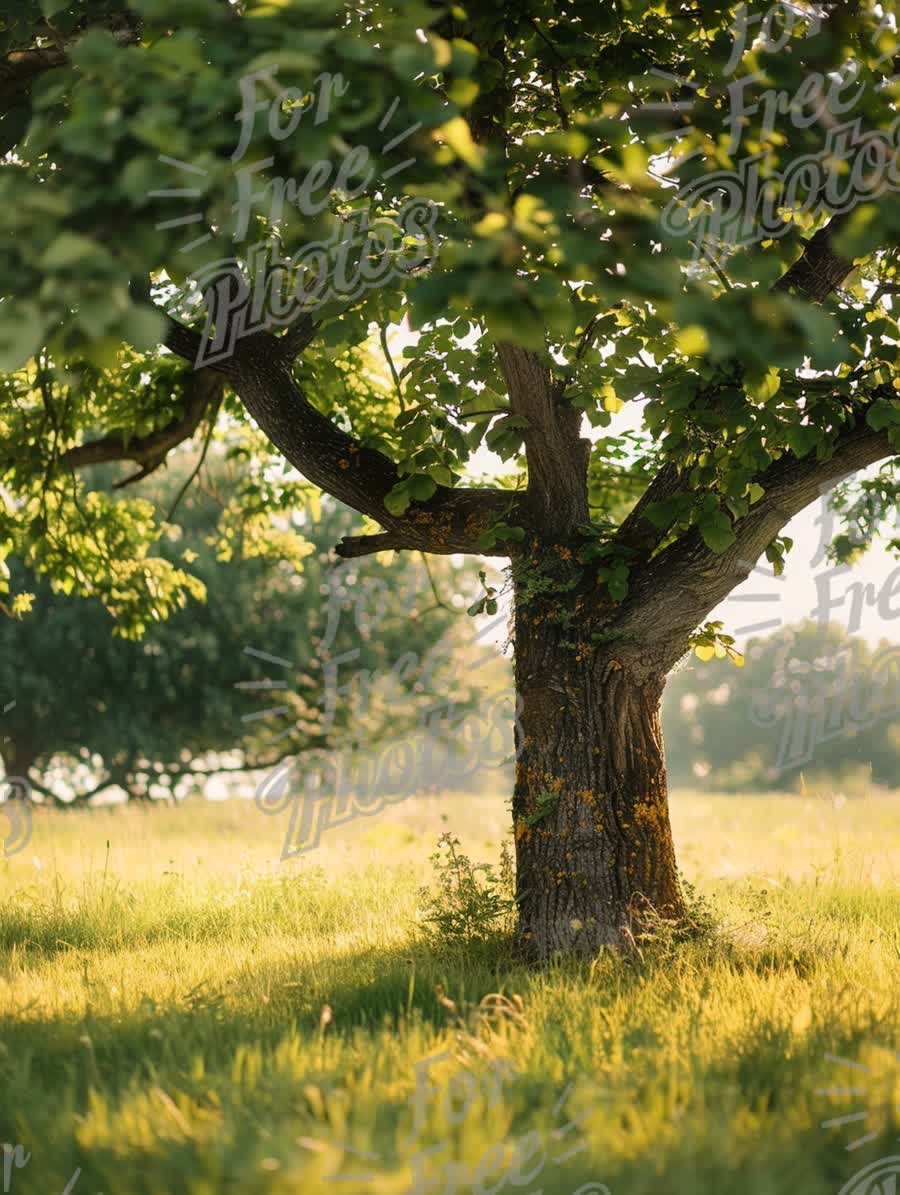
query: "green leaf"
68, 250
411, 61
883, 413
422, 487
716, 529
802, 438
618, 588
398, 500
458, 136
504, 532
765, 388
693, 340
664, 513
441, 474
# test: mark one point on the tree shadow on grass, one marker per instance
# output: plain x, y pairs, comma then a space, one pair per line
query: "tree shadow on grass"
367, 990
770, 1078
382, 1000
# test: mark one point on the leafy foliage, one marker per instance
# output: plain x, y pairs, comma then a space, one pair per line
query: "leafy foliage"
537, 136
154, 717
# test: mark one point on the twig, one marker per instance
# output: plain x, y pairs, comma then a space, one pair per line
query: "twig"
206, 441
711, 261
437, 597
586, 337
386, 349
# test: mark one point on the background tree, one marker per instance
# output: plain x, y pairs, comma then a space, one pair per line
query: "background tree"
157, 716
810, 703
550, 285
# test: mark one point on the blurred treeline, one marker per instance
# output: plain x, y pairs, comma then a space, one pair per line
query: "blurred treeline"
812, 707
94, 712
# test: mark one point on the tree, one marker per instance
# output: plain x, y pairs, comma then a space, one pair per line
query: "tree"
299, 177
811, 702
186, 700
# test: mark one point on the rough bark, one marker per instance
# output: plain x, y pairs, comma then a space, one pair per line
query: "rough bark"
557, 455
595, 860
819, 270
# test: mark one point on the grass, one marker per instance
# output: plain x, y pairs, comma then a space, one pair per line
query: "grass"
181, 1013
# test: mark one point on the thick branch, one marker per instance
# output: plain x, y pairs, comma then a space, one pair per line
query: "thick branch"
557, 455
672, 594
298, 335
353, 546
182, 341
260, 372
21, 66
187, 343
451, 521
637, 531
150, 451
819, 270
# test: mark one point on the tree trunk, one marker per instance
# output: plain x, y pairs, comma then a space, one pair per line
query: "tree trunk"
595, 859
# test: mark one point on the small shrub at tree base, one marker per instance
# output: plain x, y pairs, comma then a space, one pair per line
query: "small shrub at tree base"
472, 902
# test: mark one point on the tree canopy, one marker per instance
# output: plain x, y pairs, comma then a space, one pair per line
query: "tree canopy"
536, 135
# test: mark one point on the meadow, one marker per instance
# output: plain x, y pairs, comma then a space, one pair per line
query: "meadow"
183, 1014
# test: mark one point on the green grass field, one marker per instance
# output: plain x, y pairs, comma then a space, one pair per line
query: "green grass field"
164, 979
